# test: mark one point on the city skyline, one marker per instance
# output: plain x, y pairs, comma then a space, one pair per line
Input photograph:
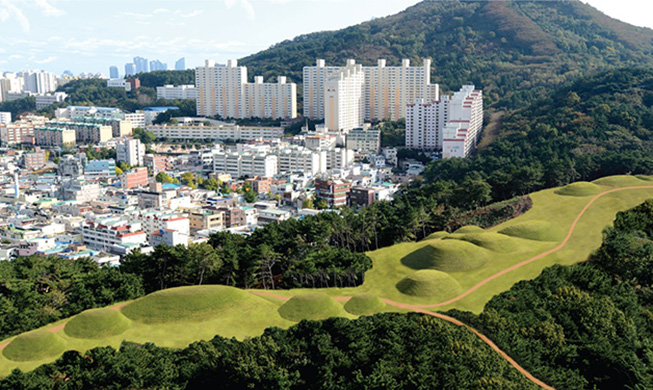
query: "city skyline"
173, 29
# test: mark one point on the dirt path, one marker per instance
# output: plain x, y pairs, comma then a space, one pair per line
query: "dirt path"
491, 131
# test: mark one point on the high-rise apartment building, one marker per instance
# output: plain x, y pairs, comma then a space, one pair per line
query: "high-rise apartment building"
424, 123
130, 69
113, 72
157, 65
269, 100
10, 83
224, 91
39, 82
344, 99
387, 88
220, 88
451, 124
463, 131
180, 64
141, 65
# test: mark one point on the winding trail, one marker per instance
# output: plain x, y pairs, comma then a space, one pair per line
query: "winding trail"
485, 339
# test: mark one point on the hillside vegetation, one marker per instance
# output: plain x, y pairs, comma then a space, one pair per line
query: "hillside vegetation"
512, 49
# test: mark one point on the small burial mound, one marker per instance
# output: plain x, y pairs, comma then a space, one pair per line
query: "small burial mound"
436, 235
97, 324
535, 230
581, 188
645, 178
470, 229
36, 345
196, 303
447, 256
364, 304
429, 283
492, 241
311, 306
621, 181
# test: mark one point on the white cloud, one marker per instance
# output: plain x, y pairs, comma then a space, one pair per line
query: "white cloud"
244, 4
47, 8
137, 15
46, 60
9, 11
191, 14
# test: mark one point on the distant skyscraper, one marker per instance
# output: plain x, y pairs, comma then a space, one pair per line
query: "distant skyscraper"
130, 69
157, 65
67, 73
141, 64
113, 72
180, 64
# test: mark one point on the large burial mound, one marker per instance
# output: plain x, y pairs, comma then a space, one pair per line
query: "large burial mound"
429, 283
311, 306
470, 229
534, 230
36, 345
581, 188
97, 324
364, 304
491, 241
196, 303
447, 256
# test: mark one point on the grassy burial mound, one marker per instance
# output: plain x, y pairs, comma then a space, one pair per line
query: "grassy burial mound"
311, 306
196, 303
581, 188
624, 181
364, 304
429, 283
36, 345
97, 324
436, 235
535, 230
447, 256
492, 241
470, 229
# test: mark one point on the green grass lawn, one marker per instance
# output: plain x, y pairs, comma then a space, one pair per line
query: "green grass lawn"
426, 272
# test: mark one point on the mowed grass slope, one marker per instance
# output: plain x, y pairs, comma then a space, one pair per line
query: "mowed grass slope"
412, 272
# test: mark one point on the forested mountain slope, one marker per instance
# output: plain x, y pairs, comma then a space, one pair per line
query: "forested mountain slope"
514, 50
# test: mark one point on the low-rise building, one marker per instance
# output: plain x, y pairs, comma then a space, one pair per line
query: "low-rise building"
49, 99
155, 163
267, 216
116, 235
137, 177
362, 196
205, 219
334, 192
216, 133
176, 92
100, 168
34, 160
364, 141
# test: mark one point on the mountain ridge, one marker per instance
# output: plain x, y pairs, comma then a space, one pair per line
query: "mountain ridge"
514, 50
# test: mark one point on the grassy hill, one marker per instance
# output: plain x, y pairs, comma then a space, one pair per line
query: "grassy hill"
512, 49
430, 272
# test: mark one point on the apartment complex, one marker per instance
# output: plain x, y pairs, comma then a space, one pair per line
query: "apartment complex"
344, 99
224, 91
451, 124
174, 92
34, 160
269, 100
245, 164
54, 136
387, 89
49, 99
218, 133
296, 158
16, 132
86, 133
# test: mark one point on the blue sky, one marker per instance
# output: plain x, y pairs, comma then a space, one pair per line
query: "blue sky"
91, 35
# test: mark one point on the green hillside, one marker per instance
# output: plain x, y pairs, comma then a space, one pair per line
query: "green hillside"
511, 49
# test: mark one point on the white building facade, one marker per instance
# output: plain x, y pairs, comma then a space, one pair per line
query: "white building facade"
130, 151
344, 99
175, 92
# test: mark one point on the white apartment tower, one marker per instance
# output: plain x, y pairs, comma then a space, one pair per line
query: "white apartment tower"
344, 98
39, 82
269, 100
224, 91
451, 124
219, 88
130, 151
463, 131
387, 88
424, 123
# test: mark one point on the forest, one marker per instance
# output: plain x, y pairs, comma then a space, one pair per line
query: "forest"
585, 326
